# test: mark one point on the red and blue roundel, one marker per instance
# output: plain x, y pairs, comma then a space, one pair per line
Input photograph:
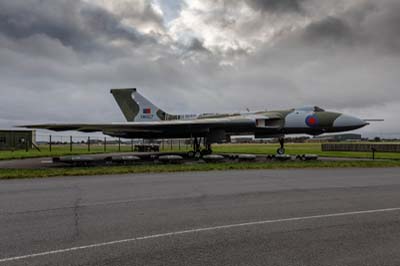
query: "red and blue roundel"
312, 121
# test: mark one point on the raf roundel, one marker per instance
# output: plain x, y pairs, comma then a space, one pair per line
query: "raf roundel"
311, 121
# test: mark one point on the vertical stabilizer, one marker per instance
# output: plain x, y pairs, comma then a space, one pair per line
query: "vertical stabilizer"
136, 107
128, 106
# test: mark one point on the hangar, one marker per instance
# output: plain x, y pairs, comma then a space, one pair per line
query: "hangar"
11, 139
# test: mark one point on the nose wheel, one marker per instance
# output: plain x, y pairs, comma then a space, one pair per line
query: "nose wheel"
281, 149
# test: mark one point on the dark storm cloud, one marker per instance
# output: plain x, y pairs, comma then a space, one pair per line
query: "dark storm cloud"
276, 5
273, 6
72, 22
196, 45
366, 25
329, 29
149, 15
380, 24
19, 19
347, 60
101, 23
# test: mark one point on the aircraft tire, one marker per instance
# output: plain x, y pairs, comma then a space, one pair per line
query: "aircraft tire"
280, 151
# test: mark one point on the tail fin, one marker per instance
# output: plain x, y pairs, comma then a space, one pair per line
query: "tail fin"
128, 106
136, 107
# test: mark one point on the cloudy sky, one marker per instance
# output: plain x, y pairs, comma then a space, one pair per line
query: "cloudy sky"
59, 58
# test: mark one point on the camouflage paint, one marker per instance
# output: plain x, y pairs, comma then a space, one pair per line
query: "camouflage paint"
128, 106
152, 122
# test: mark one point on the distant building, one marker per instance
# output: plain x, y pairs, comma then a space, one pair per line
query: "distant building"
337, 138
19, 139
242, 139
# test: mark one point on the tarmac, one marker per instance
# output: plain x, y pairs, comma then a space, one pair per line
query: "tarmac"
258, 217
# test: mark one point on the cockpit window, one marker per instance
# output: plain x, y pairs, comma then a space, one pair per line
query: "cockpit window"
318, 109
310, 108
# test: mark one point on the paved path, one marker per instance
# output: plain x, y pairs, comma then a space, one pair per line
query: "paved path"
269, 217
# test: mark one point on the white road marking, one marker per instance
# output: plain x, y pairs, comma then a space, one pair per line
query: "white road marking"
196, 230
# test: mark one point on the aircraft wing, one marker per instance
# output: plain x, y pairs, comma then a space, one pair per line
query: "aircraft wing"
145, 126
236, 125
83, 127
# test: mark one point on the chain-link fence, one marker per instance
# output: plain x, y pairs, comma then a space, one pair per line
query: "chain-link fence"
93, 143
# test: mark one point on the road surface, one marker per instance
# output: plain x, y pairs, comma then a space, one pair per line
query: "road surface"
268, 217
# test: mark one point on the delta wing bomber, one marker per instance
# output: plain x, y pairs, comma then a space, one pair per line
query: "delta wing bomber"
146, 120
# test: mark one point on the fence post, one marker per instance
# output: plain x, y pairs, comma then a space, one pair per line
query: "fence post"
105, 144
171, 144
119, 144
70, 143
88, 142
179, 144
50, 143
13, 144
131, 145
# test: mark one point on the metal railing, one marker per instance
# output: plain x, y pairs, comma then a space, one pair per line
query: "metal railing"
361, 147
92, 143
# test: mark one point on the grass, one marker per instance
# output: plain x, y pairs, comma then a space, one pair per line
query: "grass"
61, 150
291, 148
303, 148
295, 148
84, 171
299, 148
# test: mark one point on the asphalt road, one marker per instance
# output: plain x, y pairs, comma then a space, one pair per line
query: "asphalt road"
269, 217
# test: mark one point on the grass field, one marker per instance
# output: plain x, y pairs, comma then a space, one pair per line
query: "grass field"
81, 171
60, 150
298, 148
291, 148
295, 148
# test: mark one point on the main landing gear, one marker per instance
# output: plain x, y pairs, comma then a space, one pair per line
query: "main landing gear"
281, 150
197, 151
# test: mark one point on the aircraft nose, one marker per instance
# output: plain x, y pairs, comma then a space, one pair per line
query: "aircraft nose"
348, 122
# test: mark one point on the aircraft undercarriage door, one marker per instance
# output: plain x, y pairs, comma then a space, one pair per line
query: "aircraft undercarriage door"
217, 136
116, 134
